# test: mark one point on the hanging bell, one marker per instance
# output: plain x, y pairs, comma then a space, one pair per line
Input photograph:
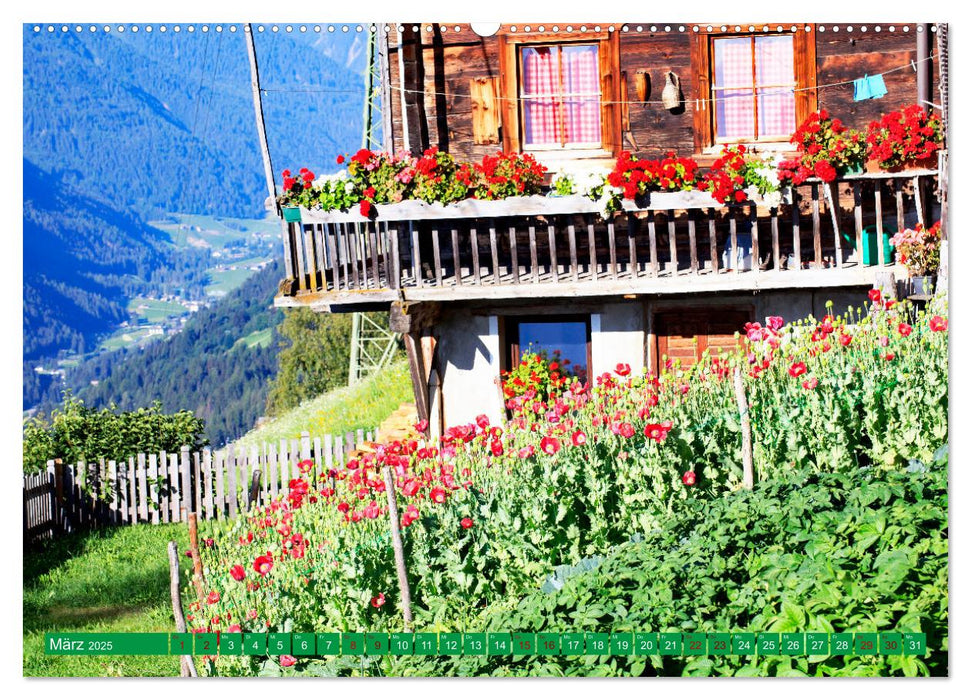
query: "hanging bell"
671, 95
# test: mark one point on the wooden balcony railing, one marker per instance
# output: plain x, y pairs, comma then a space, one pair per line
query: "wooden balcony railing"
542, 246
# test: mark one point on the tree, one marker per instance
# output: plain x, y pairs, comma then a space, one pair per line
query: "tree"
314, 357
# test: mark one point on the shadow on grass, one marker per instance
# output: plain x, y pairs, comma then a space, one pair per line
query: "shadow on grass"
100, 575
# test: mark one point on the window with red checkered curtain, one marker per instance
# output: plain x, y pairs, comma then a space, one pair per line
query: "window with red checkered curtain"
560, 96
753, 85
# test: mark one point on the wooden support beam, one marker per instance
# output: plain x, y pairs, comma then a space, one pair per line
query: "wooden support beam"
419, 377
413, 317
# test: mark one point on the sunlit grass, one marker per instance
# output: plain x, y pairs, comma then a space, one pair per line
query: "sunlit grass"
114, 580
363, 406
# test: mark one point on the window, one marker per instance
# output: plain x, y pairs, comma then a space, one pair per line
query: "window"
558, 94
563, 338
753, 88
685, 334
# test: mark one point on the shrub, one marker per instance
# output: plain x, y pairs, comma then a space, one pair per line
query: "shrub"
77, 432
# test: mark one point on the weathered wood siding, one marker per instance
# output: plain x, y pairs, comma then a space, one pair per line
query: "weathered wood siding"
450, 60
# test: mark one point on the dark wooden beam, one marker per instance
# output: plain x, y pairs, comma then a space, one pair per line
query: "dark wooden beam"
413, 317
419, 377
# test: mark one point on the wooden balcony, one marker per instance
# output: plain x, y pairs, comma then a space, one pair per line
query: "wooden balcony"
547, 247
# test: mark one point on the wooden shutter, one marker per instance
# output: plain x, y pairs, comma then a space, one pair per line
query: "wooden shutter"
804, 56
508, 94
610, 84
486, 117
701, 68
685, 335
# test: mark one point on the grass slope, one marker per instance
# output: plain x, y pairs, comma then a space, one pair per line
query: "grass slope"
364, 405
113, 580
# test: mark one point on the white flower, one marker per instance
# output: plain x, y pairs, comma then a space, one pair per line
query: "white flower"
325, 180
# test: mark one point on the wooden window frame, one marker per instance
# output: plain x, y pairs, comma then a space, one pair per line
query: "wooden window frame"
608, 50
702, 62
512, 351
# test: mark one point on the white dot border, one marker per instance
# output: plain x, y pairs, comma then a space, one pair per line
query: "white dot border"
853, 30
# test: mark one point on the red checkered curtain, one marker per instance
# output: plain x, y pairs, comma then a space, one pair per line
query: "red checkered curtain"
734, 106
774, 69
581, 85
541, 87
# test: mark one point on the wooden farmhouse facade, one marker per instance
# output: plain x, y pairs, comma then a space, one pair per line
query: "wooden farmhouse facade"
472, 284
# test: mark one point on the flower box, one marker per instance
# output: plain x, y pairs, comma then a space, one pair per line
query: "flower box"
535, 205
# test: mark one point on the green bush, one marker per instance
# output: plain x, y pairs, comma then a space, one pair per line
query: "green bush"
76, 432
805, 551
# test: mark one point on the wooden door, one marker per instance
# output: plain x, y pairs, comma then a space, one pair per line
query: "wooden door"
685, 335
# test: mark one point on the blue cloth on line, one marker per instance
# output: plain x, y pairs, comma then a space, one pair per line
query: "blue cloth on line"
869, 87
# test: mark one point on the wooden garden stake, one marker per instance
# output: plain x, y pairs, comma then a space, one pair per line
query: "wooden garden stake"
194, 551
399, 551
748, 477
255, 487
188, 668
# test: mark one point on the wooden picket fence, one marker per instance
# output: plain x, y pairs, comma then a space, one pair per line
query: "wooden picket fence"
165, 487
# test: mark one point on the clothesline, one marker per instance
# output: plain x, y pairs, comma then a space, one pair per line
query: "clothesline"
697, 101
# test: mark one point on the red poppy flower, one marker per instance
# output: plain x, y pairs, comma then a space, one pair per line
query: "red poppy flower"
656, 431
437, 495
622, 369
467, 523
626, 430
234, 628
797, 369
238, 572
875, 296
904, 329
810, 383
549, 445
845, 339
689, 478
287, 660
889, 356
340, 159
938, 324
579, 437
378, 600
263, 564
213, 597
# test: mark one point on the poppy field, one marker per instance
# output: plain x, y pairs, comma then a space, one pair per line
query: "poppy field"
618, 505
